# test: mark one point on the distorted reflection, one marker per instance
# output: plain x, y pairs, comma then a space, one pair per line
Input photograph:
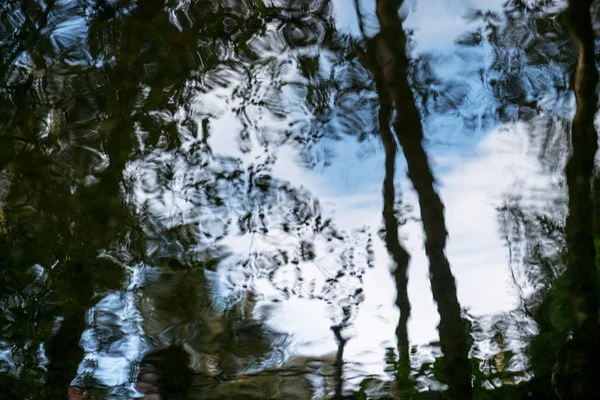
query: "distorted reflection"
229, 199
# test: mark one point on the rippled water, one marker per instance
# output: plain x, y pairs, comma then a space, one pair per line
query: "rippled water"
248, 199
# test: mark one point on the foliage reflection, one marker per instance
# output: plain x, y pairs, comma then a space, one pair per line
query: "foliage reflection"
153, 223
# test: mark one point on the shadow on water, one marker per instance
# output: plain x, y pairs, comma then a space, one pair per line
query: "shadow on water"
225, 199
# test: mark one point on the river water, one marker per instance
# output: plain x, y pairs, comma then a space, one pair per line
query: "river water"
220, 199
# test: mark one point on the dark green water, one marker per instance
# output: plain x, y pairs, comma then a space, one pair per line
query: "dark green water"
248, 199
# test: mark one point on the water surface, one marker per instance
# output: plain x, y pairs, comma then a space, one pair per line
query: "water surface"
213, 199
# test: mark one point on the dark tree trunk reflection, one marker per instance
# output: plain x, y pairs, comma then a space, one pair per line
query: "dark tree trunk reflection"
392, 241
65, 354
339, 362
581, 270
397, 251
391, 54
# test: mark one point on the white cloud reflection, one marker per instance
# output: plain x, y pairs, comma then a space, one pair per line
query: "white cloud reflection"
473, 178
472, 185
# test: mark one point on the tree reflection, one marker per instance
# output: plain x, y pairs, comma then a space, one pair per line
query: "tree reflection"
122, 217
390, 46
558, 282
104, 98
397, 251
581, 271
